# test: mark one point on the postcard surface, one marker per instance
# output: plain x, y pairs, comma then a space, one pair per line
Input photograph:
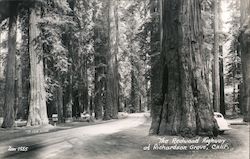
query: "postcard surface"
124, 79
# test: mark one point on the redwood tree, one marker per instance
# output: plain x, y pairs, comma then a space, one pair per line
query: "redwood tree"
156, 65
37, 107
111, 104
245, 56
101, 48
183, 102
9, 101
216, 67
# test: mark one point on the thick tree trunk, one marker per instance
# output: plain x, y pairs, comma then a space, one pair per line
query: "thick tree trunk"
37, 107
185, 106
101, 48
135, 88
99, 85
9, 100
116, 52
111, 104
83, 96
245, 56
246, 74
69, 99
25, 66
19, 109
85, 92
1, 77
59, 103
68, 95
156, 67
25, 85
216, 71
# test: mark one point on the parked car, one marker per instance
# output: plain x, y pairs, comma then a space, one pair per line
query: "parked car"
222, 123
85, 117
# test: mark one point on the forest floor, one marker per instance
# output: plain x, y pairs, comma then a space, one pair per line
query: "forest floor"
121, 139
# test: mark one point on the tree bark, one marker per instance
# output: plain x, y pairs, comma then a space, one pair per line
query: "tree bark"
111, 104
101, 49
222, 83
156, 66
1, 77
59, 103
37, 109
25, 65
83, 79
184, 106
69, 98
19, 109
9, 100
85, 90
99, 84
245, 57
135, 88
216, 67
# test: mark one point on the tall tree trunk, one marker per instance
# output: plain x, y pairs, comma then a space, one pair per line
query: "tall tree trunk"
245, 56
111, 104
185, 106
216, 67
83, 78
9, 100
68, 95
135, 88
1, 75
1, 52
101, 48
19, 109
99, 83
99, 86
37, 108
116, 52
69, 98
222, 84
25, 65
59, 103
85, 85
156, 66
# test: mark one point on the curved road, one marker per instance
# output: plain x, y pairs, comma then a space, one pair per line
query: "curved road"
50, 145
120, 139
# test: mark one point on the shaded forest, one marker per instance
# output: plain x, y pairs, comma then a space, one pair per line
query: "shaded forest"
168, 57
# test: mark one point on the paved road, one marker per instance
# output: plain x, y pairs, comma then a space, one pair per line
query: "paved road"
49, 145
120, 139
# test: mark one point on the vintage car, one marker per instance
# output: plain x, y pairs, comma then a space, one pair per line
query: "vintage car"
222, 123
